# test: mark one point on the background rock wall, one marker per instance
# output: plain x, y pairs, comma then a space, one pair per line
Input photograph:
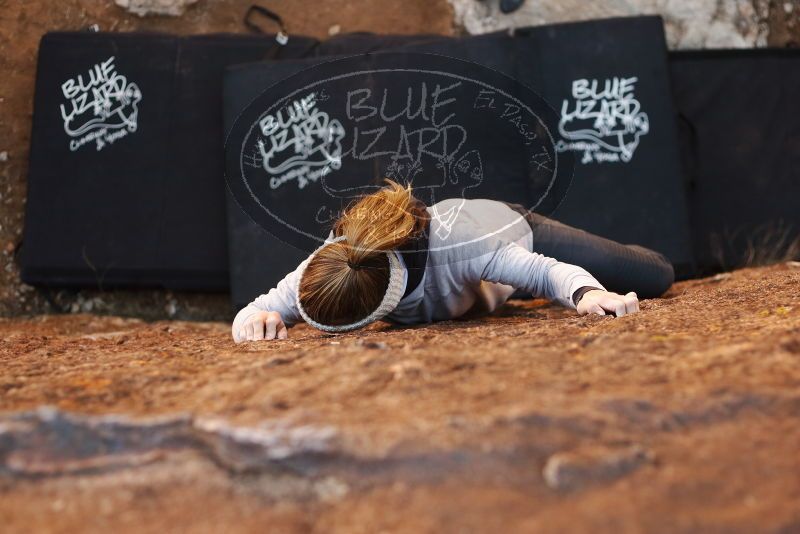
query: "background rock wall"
689, 23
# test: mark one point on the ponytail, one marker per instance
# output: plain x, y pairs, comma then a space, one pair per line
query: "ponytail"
378, 222
345, 281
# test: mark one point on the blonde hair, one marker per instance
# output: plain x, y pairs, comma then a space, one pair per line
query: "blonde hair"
346, 281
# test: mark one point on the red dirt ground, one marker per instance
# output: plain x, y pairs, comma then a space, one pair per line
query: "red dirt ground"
684, 417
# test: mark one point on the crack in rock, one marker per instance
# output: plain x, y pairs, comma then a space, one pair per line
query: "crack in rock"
50, 442
47, 442
638, 415
642, 415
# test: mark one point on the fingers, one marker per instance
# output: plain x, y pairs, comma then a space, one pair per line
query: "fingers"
610, 304
253, 328
283, 333
258, 330
596, 309
248, 331
631, 302
271, 323
602, 302
620, 305
264, 326
588, 306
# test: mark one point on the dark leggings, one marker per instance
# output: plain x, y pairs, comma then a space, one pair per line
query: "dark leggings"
620, 268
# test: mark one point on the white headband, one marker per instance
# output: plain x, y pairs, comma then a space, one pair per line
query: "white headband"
394, 292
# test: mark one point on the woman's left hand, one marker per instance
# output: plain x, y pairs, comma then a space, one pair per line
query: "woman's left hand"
602, 302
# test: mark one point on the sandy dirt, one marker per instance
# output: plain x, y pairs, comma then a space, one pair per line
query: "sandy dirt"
683, 418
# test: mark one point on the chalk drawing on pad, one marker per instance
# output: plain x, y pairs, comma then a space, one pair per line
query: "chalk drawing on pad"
101, 106
309, 145
603, 120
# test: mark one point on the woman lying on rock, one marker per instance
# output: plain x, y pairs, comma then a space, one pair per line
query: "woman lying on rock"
390, 257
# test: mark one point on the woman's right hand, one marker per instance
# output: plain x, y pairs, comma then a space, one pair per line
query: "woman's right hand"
599, 302
262, 325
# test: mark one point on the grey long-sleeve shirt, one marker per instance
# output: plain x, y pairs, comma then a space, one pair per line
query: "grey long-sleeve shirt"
480, 252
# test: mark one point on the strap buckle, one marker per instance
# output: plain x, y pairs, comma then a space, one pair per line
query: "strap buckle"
282, 37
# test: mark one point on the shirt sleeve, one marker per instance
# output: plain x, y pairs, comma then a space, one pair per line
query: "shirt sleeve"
542, 276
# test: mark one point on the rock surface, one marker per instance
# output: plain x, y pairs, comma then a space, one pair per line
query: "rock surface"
575, 469
689, 23
683, 418
143, 8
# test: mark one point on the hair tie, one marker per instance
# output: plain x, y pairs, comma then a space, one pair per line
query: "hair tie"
354, 266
